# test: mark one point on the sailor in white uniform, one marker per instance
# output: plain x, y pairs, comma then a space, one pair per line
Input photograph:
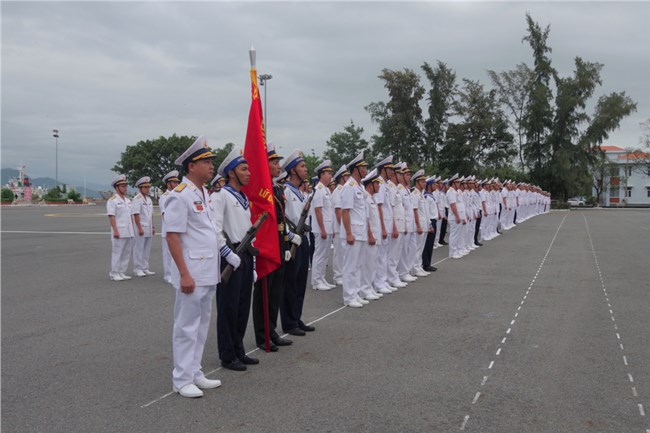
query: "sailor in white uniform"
456, 217
369, 263
340, 177
388, 229
399, 220
322, 226
354, 230
142, 211
171, 181
118, 209
422, 215
194, 246
407, 255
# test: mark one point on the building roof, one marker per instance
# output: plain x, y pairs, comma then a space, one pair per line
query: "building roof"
635, 155
612, 149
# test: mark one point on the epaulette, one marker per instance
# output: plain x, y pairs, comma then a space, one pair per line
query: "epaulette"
113, 197
180, 187
352, 183
340, 187
400, 186
165, 193
138, 195
381, 180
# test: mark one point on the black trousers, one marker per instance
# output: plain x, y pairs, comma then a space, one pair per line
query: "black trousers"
476, 229
443, 227
233, 307
427, 253
275, 290
295, 284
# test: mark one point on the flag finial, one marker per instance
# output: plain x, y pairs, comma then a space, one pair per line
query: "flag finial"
251, 53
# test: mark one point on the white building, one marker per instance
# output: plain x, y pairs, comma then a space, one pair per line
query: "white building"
628, 178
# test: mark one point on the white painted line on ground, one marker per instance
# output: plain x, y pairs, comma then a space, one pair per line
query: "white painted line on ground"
634, 391
491, 364
462, 426
618, 335
504, 340
55, 233
512, 322
498, 351
631, 378
621, 346
625, 360
485, 378
641, 411
478, 394
508, 331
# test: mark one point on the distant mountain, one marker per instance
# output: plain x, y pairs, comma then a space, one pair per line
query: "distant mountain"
47, 182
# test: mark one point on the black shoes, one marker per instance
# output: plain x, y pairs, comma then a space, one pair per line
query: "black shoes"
236, 365
282, 341
478, 244
443, 243
272, 347
296, 331
430, 268
247, 360
306, 328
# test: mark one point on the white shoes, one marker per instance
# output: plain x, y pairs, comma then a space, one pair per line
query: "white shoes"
385, 291
339, 282
190, 390
354, 304
397, 284
140, 274
331, 286
116, 277
148, 272
363, 301
321, 286
372, 297
168, 280
125, 277
420, 272
456, 256
206, 383
408, 278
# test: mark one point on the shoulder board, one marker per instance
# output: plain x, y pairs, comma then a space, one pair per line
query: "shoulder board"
352, 183
114, 197
180, 187
381, 180
340, 187
165, 193
320, 186
400, 186
138, 195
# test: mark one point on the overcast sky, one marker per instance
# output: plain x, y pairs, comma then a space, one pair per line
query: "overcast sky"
110, 74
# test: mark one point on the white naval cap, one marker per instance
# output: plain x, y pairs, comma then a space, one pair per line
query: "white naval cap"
198, 150
454, 178
292, 160
373, 176
399, 167
172, 176
342, 171
143, 181
461, 179
120, 179
386, 162
271, 153
324, 166
430, 180
357, 162
282, 176
216, 179
419, 175
234, 158
446, 181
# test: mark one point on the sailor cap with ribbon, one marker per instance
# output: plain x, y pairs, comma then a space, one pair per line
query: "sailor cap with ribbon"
143, 182
120, 179
197, 151
216, 179
234, 158
430, 180
292, 160
271, 153
454, 178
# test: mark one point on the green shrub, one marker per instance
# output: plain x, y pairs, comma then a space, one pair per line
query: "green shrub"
7, 195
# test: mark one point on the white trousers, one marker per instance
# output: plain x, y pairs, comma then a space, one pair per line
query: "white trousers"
141, 253
167, 261
419, 248
394, 254
381, 272
120, 254
438, 228
454, 236
319, 261
406, 256
338, 257
191, 323
352, 270
369, 267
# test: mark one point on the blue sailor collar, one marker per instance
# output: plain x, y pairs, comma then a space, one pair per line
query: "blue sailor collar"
240, 196
296, 191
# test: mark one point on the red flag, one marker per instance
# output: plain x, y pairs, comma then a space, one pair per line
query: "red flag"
260, 187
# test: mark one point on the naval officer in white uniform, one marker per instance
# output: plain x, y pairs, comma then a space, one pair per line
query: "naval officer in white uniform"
171, 181
142, 210
321, 214
118, 209
194, 247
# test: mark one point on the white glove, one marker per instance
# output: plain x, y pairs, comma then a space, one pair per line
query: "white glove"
255, 276
287, 256
234, 260
296, 240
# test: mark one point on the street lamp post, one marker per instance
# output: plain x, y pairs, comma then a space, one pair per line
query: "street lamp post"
263, 79
55, 134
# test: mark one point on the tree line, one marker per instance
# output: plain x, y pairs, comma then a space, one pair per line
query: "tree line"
530, 125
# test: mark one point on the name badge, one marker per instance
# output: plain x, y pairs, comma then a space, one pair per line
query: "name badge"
198, 206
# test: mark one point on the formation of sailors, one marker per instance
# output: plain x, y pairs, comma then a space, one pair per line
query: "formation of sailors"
380, 224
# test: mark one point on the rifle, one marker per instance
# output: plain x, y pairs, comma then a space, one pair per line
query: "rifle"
245, 244
302, 225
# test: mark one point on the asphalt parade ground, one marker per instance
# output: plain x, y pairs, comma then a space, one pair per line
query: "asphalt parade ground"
543, 329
